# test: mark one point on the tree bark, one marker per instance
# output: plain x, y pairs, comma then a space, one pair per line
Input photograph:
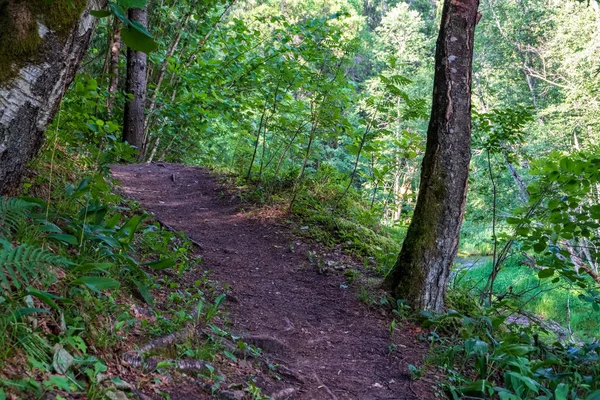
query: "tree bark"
114, 65
421, 272
30, 99
135, 86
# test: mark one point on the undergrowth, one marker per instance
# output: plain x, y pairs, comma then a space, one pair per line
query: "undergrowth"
84, 271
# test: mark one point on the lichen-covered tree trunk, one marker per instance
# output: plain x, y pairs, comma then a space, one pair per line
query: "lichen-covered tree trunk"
41, 46
135, 85
421, 272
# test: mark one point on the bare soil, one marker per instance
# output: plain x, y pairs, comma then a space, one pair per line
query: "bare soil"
334, 346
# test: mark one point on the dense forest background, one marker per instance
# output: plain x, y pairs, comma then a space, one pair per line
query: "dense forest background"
320, 109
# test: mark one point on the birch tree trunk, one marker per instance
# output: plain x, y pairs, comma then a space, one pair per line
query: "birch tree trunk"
32, 84
135, 85
421, 272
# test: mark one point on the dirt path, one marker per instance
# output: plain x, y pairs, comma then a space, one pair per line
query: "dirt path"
338, 345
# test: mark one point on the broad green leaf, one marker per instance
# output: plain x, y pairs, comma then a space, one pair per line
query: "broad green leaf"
64, 238
46, 298
162, 264
97, 283
100, 13
138, 41
546, 273
21, 312
132, 3
561, 392
118, 12
595, 395
144, 291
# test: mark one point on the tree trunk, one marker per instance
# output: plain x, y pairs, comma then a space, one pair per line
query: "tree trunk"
135, 86
114, 65
40, 55
421, 272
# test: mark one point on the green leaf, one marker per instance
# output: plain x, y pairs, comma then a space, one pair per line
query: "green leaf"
112, 242
64, 238
546, 273
595, 395
118, 12
144, 291
539, 246
49, 227
100, 13
132, 3
97, 283
46, 298
162, 264
87, 267
561, 392
21, 312
138, 41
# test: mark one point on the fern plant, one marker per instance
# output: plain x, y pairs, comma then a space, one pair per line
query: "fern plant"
24, 264
13, 212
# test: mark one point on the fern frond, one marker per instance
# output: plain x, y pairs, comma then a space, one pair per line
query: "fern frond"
13, 212
25, 264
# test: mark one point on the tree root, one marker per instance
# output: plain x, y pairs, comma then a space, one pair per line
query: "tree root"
284, 394
268, 344
324, 387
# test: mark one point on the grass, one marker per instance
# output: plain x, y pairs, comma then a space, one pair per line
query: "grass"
538, 296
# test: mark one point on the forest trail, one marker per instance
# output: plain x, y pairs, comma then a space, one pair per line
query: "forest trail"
337, 346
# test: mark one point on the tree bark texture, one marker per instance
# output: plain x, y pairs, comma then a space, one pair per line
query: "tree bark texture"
421, 272
30, 97
135, 87
114, 65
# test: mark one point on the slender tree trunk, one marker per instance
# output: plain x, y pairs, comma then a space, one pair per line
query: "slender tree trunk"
31, 88
135, 86
421, 272
114, 65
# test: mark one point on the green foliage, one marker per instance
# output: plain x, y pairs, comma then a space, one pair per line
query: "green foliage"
24, 265
484, 355
133, 34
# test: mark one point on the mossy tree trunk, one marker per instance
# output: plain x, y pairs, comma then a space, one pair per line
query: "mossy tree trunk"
41, 46
421, 272
135, 85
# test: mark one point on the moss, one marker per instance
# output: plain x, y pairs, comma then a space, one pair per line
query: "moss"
59, 15
19, 37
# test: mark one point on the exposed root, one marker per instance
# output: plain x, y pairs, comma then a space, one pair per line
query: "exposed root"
324, 387
284, 394
151, 363
176, 337
268, 344
285, 371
